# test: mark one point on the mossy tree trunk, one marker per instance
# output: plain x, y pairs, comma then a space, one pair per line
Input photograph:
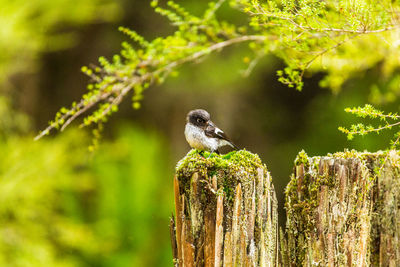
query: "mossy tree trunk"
344, 210
226, 212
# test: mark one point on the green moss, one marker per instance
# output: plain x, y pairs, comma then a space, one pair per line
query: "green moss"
365, 155
302, 194
302, 157
230, 169
302, 198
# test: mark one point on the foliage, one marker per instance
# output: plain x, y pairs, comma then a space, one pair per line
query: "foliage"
59, 209
33, 27
388, 120
11, 122
228, 168
340, 38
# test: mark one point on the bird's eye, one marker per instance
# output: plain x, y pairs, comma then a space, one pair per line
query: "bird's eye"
200, 120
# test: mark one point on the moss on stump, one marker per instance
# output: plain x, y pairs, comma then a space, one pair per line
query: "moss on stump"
226, 211
344, 210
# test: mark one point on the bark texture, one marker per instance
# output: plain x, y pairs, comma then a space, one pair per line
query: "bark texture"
226, 212
343, 210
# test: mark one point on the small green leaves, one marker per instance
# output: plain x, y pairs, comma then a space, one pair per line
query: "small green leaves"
134, 36
142, 63
310, 36
369, 111
291, 77
328, 36
390, 120
86, 70
302, 158
154, 3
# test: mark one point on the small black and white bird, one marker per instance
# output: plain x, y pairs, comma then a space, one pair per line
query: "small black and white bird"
201, 133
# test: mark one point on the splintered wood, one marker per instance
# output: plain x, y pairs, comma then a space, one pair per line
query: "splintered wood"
328, 213
225, 226
344, 210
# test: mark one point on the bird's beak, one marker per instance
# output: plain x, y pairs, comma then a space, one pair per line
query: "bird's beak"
210, 123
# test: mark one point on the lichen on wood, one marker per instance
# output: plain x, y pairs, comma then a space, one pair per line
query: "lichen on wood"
226, 211
344, 210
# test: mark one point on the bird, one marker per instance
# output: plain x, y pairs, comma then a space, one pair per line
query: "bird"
202, 134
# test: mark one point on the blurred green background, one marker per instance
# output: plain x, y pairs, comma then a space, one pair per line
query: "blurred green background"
64, 206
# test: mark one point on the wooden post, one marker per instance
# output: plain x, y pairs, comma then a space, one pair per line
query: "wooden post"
344, 210
226, 212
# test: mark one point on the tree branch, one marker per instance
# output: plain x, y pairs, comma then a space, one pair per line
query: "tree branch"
127, 85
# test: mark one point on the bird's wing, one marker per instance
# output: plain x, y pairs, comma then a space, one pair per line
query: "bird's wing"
214, 132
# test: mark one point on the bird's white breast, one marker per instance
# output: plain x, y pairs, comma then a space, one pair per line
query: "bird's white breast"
196, 138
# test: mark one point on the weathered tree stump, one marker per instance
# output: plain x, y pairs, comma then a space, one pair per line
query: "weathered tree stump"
226, 211
343, 210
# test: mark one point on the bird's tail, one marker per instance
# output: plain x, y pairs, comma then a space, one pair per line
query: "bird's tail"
234, 146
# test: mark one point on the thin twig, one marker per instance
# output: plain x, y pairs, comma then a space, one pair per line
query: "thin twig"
388, 126
253, 64
215, 8
387, 155
308, 63
309, 28
83, 106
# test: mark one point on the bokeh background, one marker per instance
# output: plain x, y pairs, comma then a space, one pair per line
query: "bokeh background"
61, 205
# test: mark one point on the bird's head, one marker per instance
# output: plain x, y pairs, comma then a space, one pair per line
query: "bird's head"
198, 117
